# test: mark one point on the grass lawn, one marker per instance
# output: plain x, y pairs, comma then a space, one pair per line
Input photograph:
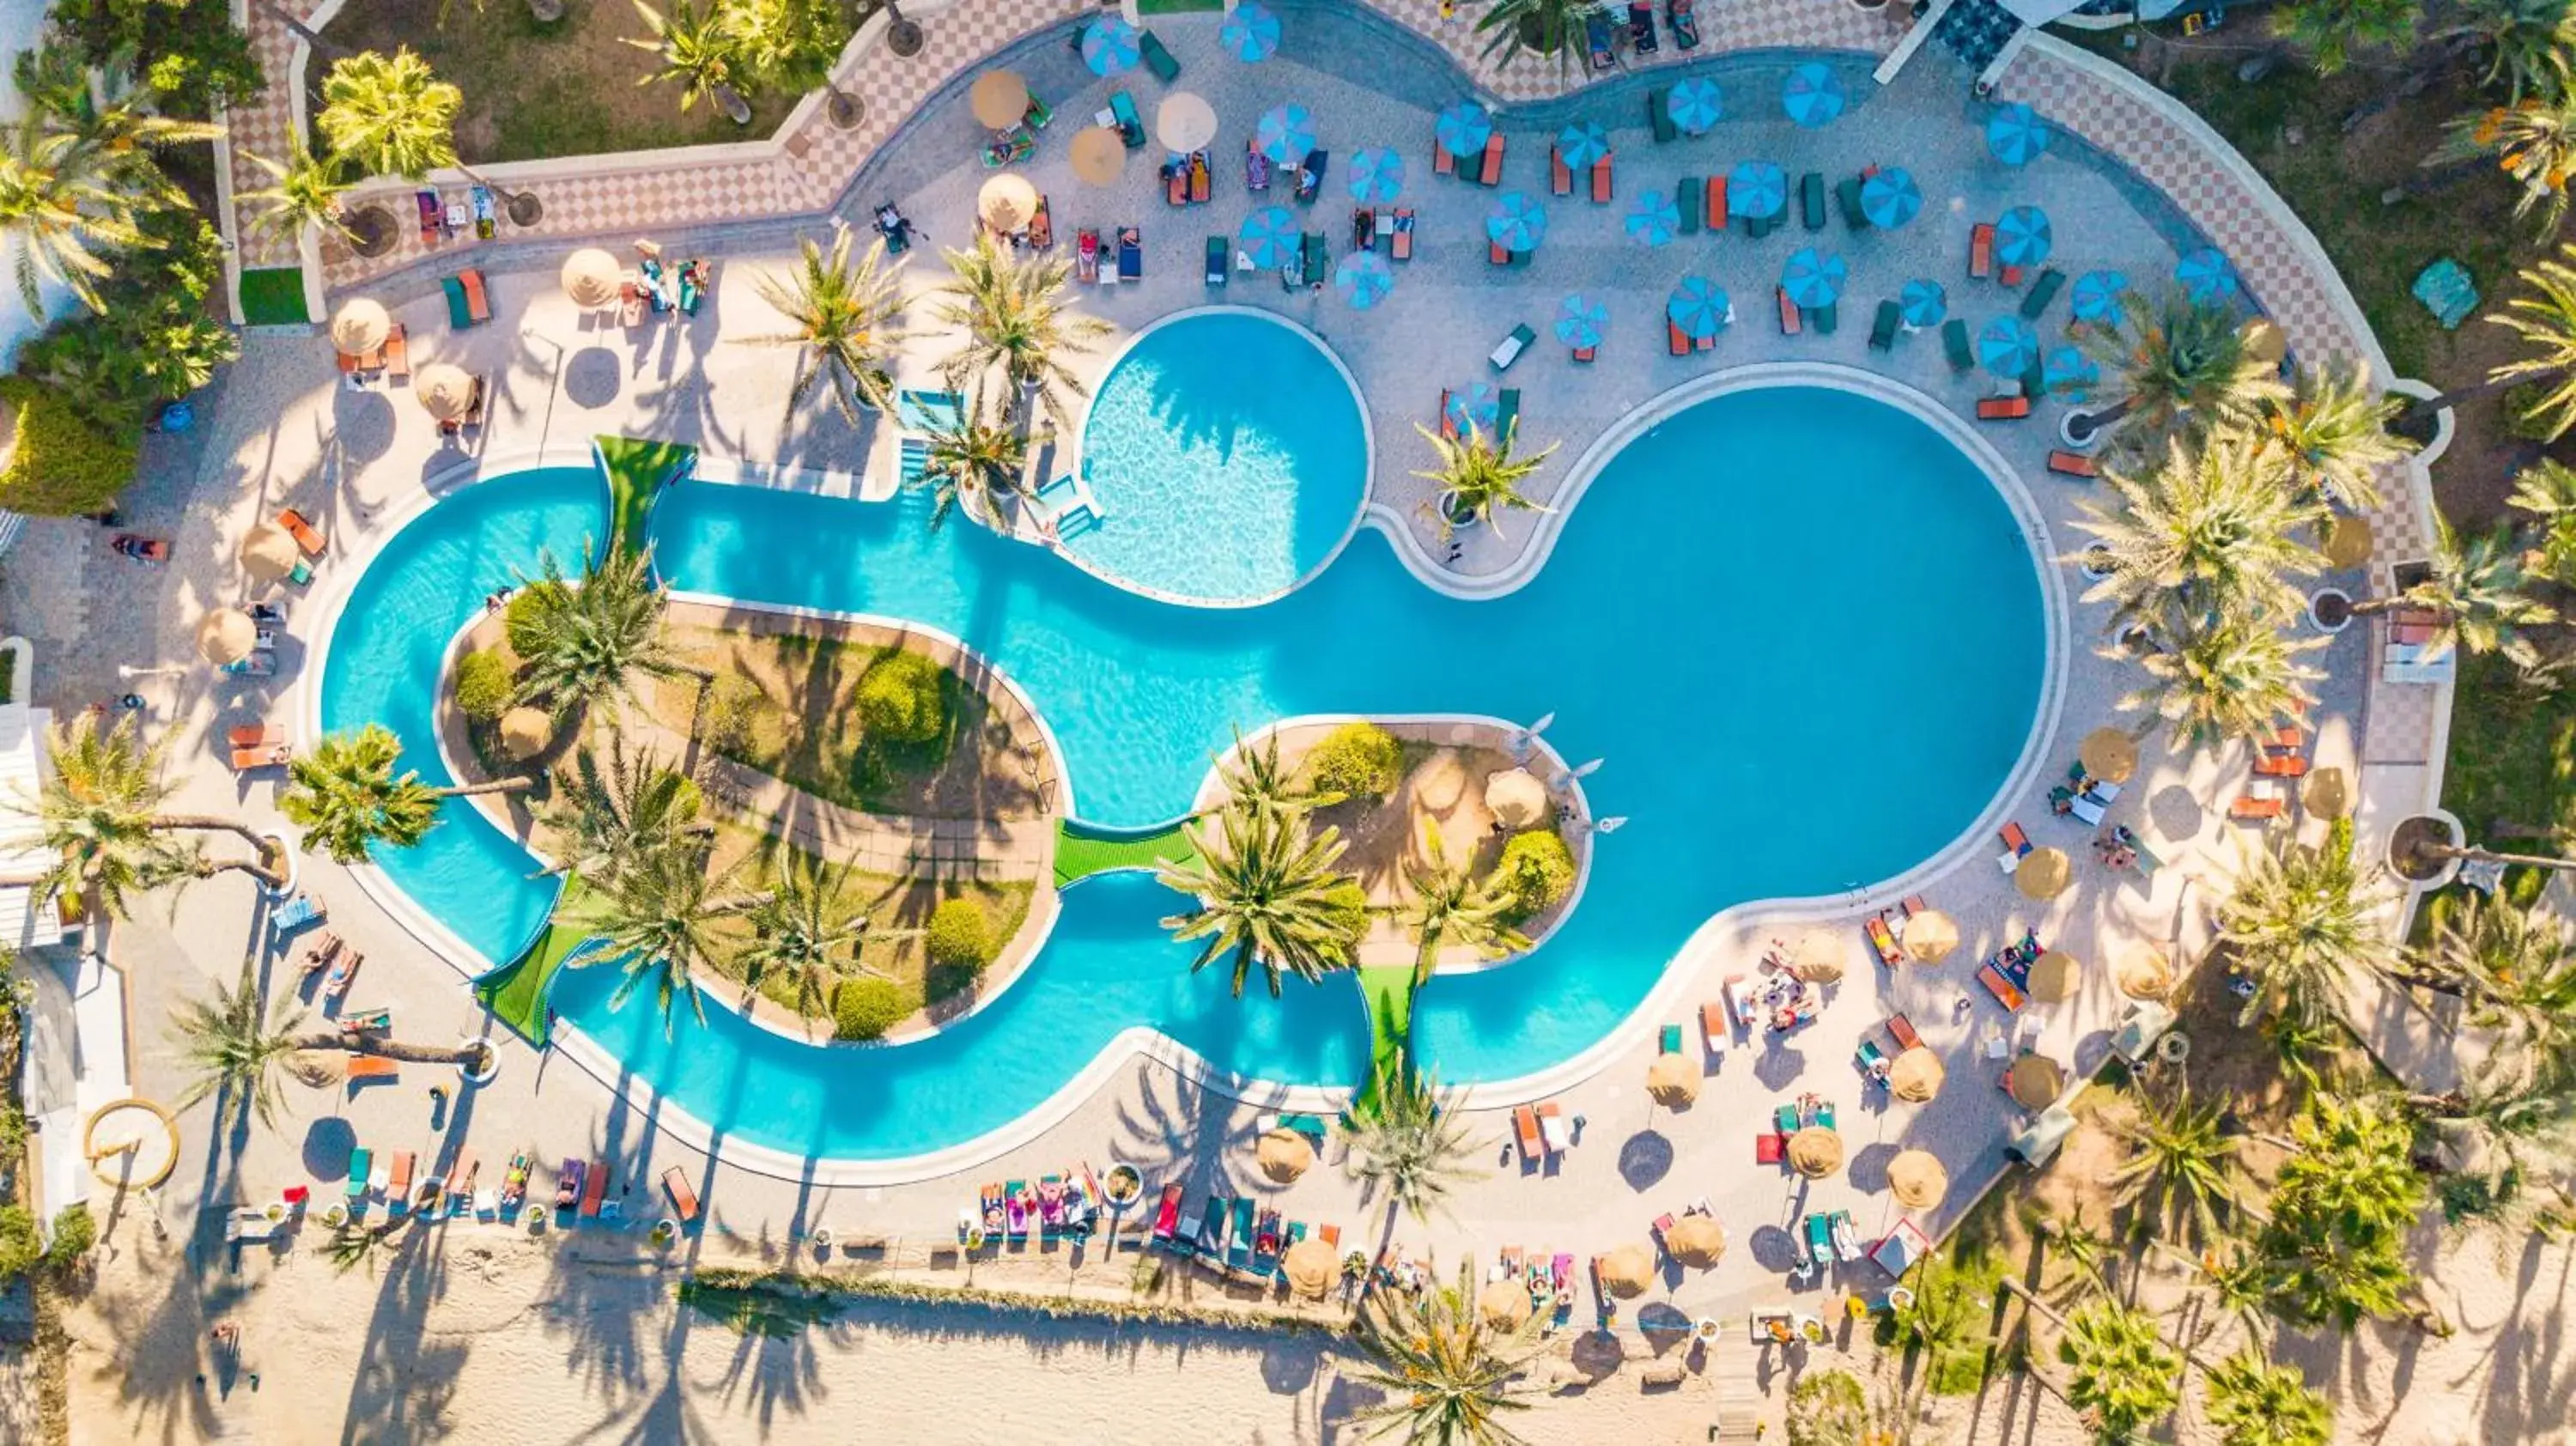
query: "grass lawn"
273, 296
1079, 854
636, 471
2512, 773
516, 992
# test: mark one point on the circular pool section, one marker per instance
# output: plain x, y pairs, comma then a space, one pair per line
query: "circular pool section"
1227, 459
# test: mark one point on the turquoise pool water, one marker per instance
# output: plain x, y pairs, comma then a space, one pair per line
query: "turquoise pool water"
1804, 632
1228, 456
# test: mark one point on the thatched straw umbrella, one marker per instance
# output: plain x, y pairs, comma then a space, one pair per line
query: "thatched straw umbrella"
1930, 936
999, 98
1516, 797
1697, 1241
2035, 1081
268, 552
2109, 754
1284, 1155
1184, 123
2053, 977
1310, 1265
1673, 1080
1815, 1152
1007, 202
525, 732
2327, 794
225, 636
445, 391
2146, 973
1628, 1270
1099, 156
1916, 1075
1819, 958
2043, 873
1916, 1179
361, 327
1505, 1303
2348, 542
591, 278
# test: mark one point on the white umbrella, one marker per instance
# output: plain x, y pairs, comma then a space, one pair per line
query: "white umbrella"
591, 277
1185, 123
361, 327
1007, 202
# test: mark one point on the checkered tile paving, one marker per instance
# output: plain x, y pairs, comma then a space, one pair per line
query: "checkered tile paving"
264, 129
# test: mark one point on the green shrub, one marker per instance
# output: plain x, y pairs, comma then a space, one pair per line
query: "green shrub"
63, 465
532, 610
1536, 869
900, 699
20, 1246
75, 1231
866, 1008
960, 937
483, 685
1828, 1408
733, 704
1359, 760
158, 337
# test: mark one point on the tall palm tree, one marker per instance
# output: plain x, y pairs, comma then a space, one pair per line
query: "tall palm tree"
2331, 30
106, 109
608, 820
844, 314
1478, 477
2346, 1200
230, 1043
1018, 328
344, 794
306, 190
973, 460
2122, 1376
2528, 42
1269, 894
2182, 365
62, 198
695, 54
99, 816
588, 645
2547, 488
2332, 433
2544, 316
1550, 27
659, 924
2232, 677
2477, 589
1451, 907
1445, 1374
2200, 533
806, 931
390, 114
2533, 141
1409, 1142
2301, 921
2181, 1171
1255, 780
2252, 1402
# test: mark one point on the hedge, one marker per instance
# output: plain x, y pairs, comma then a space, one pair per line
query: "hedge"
1358, 760
900, 700
960, 936
62, 465
866, 1008
1536, 869
483, 685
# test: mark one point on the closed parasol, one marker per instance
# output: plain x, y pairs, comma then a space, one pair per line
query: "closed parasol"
1628, 1270
269, 553
1516, 797
1816, 1152
2348, 542
226, 636
444, 390
2053, 977
1930, 936
2035, 1081
591, 277
361, 327
1007, 202
2043, 873
1916, 1179
1184, 122
1310, 1266
1284, 1155
1099, 157
2327, 793
1505, 1303
998, 98
2109, 754
525, 732
1819, 959
1697, 1241
1916, 1075
1672, 1080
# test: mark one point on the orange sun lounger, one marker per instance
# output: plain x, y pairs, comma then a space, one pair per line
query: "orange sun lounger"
2002, 409
2281, 765
255, 735
1601, 182
2253, 808
1525, 1125
1560, 179
275, 755
2073, 464
372, 1066
1490, 173
1789, 321
1901, 1029
1681, 342
2000, 987
306, 536
398, 1185
594, 1188
684, 1201
1716, 193
1981, 250
1713, 1030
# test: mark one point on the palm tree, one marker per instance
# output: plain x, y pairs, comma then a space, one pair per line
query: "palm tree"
1451, 906
1445, 1374
2547, 488
2301, 922
2476, 589
2546, 320
2181, 1172
1550, 27
1479, 477
2347, 1197
1254, 780
2330, 30
659, 923
973, 460
608, 821
99, 817
2332, 433
345, 795
2253, 1402
2233, 677
1017, 327
390, 114
2533, 141
2528, 42
588, 645
2515, 971
1268, 894
61, 198
1411, 1142
230, 1043
843, 313
806, 931
2124, 1378
2181, 363
308, 191
695, 53
2204, 533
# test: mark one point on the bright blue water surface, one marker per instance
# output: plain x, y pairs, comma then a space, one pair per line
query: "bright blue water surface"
1803, 630
1228, 456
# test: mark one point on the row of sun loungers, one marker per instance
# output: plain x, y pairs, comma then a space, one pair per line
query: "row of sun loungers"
1561, 176
1886, 933
1124, 255
2282, 756
1541, 1130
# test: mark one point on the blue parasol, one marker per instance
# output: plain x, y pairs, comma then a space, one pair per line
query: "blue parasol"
1698, 306
1286, 133
2022, 236
1923, 302
1653, 218
1377, 174
1269, 236
1111, 46
2070, 374
2015, 134
1756, 189
1472, 406
2008, 347
1579, 146
1515, 222
1813, 278
1890, 198
1365, 278
2096, 295
2205, 275
1813, 96
1579, 320
1463, 128
1250, 32
1695, 105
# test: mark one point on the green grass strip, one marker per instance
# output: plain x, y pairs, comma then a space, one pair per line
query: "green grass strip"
516, 992
638, 469
1387, 989
1081, 852
274, 296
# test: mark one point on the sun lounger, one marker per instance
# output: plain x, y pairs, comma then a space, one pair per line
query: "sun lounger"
1871, 1059
1507, 415
1122, 114
255, 735
2281, 765
1677, 13
1554, 1128
1442, 163
398, 1185
630, 304
1587, 354
1167, 1214
2004, 991
684, 1200
1790, 322
2042, 292
1317, 257
1131, 254
2073, 464
1714, 1033
568, 1185
1210, 1238
1086, 255
2002, 409
1176, 183
1954, 341
1496, 254
320, 955
1363, 228
1310, 176
468, 303
276, 755
1981, 250
1560, 177
2014, 839
1690, 197
2262, 803
1599, 39
1400, 240
1816, 1246
1901, 1029
1489, 169
1847, 199
1659, 115
460, 1176
1219, 261
308, 538
1238, 1254
594, 1189
1601, 182
1811, 200
361, 1160
1511, 347
1769, 1147
1882, 329
1680, 339
357, 363
1882, 940
1824, 318
1525, 1127
1157, 59
1714, 205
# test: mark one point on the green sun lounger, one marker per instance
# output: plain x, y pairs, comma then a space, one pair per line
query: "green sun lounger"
361, 1160
1318, 258
1238, 1254
1847, 196
1507, 415
1784, 1120
1131, 126
1219, 259
1694, 200
1509, 351
2042, 292
1157, 59
1670, 1040
1823, 319
1954, 340
1811, 199
1659, 114
1882, 332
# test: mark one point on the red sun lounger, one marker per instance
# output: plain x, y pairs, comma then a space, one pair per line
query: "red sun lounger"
2073, 464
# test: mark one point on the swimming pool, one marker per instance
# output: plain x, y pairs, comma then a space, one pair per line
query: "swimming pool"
1727, 619
1228, 456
